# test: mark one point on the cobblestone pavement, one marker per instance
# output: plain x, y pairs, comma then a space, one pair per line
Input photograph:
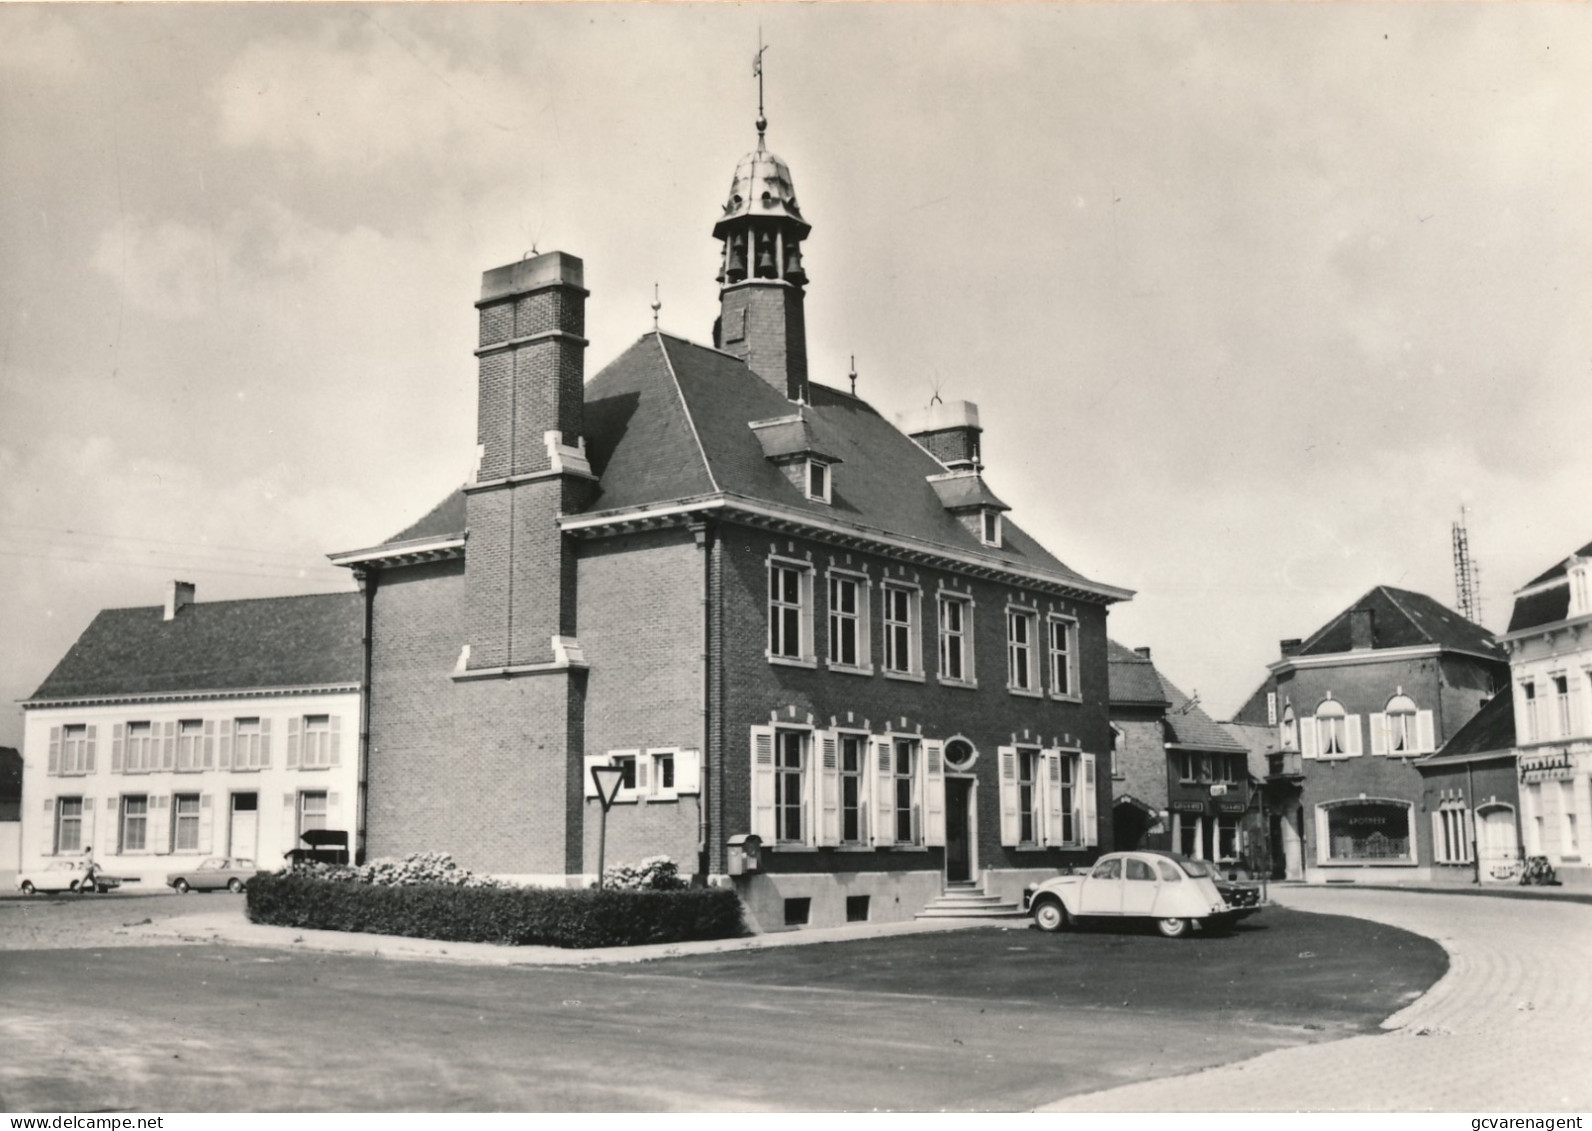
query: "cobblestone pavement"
1507, 1030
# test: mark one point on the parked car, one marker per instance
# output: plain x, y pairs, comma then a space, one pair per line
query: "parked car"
66, 875
230, 872
1176, 892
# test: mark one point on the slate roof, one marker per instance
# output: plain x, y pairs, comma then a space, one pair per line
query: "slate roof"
10, 773
1188, 726
1401, 619
214, 646
1548, 605
1132, 681
1259, 739
1490, 733
668, 421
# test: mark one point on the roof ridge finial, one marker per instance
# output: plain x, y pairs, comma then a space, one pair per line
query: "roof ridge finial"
657, 305
757, 72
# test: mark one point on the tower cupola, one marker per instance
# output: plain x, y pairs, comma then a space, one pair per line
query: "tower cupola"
761, 274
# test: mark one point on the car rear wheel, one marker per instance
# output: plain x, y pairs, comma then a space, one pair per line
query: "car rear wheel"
181, 885
28, 888
234, 885
1050, 915
1172, 928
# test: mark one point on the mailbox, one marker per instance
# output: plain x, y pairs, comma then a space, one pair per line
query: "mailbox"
744, 850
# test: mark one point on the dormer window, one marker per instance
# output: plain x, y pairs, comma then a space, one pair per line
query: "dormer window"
991, 528
1580, 577
817, 481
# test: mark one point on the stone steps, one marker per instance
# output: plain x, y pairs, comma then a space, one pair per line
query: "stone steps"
969, 901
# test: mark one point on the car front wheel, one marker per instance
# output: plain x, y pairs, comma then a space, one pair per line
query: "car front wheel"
1172, 928
181, 886
28, 888
1050, 916
234, 885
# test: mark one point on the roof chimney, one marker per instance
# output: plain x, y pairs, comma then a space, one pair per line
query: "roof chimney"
1362, 625
178, 597
1144, 652
949, 430
1290, 647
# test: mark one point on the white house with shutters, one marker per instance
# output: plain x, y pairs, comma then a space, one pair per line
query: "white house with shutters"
166, 735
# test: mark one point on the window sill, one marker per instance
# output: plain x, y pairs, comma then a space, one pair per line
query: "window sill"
1026, 692
790, 661
1067, 698
964, 684
852, 669
1570, 859
906, 677
316, 769
1366, 864
902, 847
795, 848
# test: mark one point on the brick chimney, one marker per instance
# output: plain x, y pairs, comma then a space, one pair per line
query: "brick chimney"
1290, 647
179, 595
519, 571
1142, 652
1362, 629
949, 430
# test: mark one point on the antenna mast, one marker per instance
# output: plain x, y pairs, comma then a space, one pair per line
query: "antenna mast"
1467, 575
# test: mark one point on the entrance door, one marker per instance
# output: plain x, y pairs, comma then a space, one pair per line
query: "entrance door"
245, 825
1497, 849
958, 830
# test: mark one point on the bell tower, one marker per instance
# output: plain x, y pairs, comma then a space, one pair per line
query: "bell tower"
761, 278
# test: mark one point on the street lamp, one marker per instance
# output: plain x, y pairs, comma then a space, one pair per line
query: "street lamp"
607, 779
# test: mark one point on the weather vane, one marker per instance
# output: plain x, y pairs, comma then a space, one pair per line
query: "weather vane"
757, 72
853, 374
656, 306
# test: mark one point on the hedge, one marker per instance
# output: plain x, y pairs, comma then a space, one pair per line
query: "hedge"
565, 917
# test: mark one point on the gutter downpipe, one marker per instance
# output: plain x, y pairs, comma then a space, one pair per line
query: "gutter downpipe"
367, 587
703, 534
1470, 803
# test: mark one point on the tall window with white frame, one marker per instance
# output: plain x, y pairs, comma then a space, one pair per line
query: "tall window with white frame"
76, 756
846, 624
900, 629
1561, 704
1401, 734
1019, 650
248, 745
190, 743
790, 786
905, 766
1528, 720
955, 624
853, 773
1332, 731
1569, 834
185, 822
1063, 656
786, 609
311, 810
1066, 786
318, 746
1028, 811
69, 824
135, 823
140, 756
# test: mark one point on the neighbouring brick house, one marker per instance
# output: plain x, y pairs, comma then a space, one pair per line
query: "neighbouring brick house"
10, 808
1550, 656
1381, 684
1471, 797
219, 728
1179, 781
781, 614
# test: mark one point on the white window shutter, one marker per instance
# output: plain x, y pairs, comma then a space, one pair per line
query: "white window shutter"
1011, 819
265, 744
1090, 802
1050, 791
828, 788
334, 810
1323, 846
688, 771
642, 776
934, 793
207, 822
588, 782
90, 732
883, 793
88, 820
1379, 733
168, 745
1425, 732
1439, 852
293, 742
1467, 853
809, 644
158, 825
337, 740
224, 746
763, 823
289, 823
210, 747
1309, 737
55, 750
118, 746
1351, 726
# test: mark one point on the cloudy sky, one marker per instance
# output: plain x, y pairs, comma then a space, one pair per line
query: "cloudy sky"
1251, 297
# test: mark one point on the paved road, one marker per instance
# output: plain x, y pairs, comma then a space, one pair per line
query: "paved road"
1507, 1029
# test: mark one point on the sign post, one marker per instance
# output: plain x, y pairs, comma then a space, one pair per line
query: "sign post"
607, 779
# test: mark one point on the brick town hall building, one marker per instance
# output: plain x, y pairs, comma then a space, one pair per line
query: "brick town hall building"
779, 613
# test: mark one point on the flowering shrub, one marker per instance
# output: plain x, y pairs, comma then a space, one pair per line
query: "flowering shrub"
655, 873
416, 868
